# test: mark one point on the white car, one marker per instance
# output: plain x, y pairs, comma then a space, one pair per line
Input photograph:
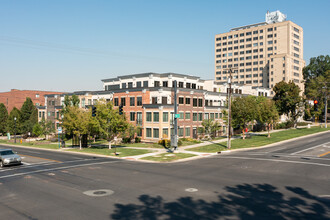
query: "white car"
8, 157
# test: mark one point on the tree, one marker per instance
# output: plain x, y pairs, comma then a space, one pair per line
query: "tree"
37, 130
29, 115
46, 127
267, 112
317, 81
210, 126
75, 121
3, 118
243, 111
14, 127
111, 124
288, 101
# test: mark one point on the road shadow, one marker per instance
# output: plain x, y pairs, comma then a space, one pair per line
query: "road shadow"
246, 201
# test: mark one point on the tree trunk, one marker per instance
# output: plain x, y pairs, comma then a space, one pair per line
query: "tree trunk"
109, 144
80, 142
268, 130
243, 134
94, 138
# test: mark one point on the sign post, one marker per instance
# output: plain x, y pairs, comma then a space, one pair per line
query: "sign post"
59, 131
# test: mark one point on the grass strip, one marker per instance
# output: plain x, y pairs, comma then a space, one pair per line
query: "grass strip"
122, 152
259, 140
168, 157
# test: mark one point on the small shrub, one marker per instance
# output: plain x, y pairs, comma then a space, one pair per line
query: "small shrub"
126, 140
179, 142
302, 123
54, 140
165, 142
137, 140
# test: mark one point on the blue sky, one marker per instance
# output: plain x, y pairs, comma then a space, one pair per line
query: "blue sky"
70, 45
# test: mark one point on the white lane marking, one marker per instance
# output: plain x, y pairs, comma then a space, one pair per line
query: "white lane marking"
44, 164
191, 190
321, 145
300, 156
54, 169
31, 152
275, 160
25, 163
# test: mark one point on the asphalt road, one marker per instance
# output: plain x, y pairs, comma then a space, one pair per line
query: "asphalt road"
288, 181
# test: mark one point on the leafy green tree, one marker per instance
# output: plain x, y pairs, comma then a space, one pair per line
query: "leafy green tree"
15, 113
75, 121
210, 126
29, 115
46, 127
37, 130
267, 112
243, 112
111, 124
288, 101
3, 118
316, 67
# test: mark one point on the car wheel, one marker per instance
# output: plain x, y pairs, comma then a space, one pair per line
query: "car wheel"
1, 164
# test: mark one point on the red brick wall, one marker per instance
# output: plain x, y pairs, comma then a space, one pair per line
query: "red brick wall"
16, 98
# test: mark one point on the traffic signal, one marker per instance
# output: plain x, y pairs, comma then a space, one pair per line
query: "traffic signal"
121, 109
93, 111
316, 105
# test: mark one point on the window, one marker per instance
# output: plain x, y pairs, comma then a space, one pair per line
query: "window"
132, 101
148, 132
156, 132
269, 36
194, 116
156, 116
296, 55
206, 116
248, 39
296, 49
296, 42
132, 116
200, 102
180, 132
145, 84
270, 29
116, 102
200, 116
123, 101
195, 102
296, 61
216, 115
218, 39
181, 100
165, 84
295, 36
255, 44
154, 100
212, 115
261, 31
241, 47
187, 132
165, 116
270, 42
148, 118
138, 84
130, 85
165, 132
187, 116
138, 101
248, 33
241, 35
123, 85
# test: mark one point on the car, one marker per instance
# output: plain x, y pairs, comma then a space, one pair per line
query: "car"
9, 157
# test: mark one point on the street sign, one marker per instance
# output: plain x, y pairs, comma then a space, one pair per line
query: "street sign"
177, 116
59, 130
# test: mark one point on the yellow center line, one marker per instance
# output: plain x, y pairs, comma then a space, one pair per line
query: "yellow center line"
41, 158
321, 155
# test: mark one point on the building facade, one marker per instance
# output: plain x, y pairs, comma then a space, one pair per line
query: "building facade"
263, 53
16, 98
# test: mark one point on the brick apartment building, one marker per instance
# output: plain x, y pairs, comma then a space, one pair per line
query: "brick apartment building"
148, 102
16, 98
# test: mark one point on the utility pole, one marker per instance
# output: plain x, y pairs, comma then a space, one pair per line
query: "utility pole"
326, 106
175, 136
229, 108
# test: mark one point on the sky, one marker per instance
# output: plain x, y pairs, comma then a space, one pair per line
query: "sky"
71, 45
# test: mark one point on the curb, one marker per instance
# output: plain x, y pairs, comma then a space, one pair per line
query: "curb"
274, 144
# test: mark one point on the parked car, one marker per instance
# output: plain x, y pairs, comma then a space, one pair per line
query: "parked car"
8, 157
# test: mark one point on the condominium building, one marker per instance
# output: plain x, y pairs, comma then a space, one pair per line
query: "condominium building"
148, 102
261, 54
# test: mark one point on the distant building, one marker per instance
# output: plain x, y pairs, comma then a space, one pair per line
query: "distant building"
16, 98
264, 53
148, 102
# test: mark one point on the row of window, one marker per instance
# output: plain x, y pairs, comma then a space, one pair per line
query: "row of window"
242, 53
154, 132
241, 35
154, 116
131, 101
241, 58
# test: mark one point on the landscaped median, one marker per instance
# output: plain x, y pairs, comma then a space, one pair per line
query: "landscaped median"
121, 151
168, 157
259, 140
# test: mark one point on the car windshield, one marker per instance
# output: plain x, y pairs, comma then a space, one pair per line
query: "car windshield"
7, 152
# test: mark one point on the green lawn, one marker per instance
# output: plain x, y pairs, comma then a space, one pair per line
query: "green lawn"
123, 152
259, 140
168, 157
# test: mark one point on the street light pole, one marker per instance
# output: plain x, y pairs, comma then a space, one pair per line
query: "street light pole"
229, 111
15, 129
326, 106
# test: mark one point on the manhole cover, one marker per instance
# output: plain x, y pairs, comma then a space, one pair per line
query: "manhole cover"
100, 192
191, 190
